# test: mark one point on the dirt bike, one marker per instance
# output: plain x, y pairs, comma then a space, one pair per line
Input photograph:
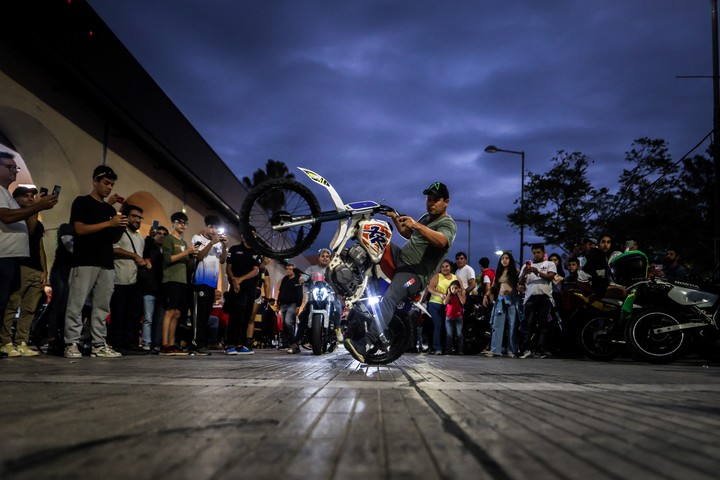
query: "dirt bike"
666, 315
284, 217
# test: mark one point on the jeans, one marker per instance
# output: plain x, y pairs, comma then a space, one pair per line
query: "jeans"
153, 315
535, 317
454, 329
437, 312
288, 315
505, 317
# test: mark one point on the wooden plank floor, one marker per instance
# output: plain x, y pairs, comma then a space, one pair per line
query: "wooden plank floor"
273, 415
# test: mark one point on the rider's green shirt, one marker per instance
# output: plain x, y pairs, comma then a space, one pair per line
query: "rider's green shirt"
422, 257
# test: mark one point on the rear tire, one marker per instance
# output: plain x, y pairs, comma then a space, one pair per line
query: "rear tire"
399, 332
656, 347
272, 202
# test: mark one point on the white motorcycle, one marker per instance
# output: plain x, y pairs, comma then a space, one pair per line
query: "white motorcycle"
285, 218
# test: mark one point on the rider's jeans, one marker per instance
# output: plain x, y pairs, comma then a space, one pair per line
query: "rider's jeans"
505, 317
437, 312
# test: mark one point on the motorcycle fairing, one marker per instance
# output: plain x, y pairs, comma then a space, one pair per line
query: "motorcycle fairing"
375, 236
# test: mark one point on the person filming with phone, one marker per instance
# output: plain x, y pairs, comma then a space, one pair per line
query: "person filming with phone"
536, 276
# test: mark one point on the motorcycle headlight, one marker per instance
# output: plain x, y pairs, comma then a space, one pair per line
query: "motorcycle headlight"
320, 294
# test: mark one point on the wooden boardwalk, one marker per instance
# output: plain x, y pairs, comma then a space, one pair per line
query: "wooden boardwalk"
273, 415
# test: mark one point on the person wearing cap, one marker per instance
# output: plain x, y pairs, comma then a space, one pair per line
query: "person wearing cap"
314, 273
429, 240
33, 277
97, 227
15, 224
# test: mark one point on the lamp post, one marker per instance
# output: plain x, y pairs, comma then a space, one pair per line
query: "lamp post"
494, 149
468, 223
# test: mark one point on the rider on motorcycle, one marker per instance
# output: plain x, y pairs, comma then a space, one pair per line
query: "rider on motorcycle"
315, 273
429, 240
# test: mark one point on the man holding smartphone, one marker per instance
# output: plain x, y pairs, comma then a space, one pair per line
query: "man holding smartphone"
97, 226
16, 223
536, 276
211, 243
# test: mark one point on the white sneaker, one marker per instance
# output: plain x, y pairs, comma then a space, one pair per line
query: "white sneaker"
72, 351
10, 350
26, 351
104, 352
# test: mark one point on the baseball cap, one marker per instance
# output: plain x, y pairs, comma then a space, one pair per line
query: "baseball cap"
104, 171
438, 188
590, 240
22, 191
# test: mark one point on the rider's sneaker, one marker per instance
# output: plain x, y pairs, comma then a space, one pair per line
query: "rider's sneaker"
356, 348
294, 348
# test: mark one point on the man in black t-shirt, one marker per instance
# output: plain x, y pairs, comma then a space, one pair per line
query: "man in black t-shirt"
97, 226
243, 265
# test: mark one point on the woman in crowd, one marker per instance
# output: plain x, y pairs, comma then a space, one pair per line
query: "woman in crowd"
505, 315
438, 288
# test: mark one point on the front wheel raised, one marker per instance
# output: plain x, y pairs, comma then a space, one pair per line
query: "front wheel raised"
656, 347
275, 211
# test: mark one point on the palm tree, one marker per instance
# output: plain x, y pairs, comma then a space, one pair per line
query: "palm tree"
275, 200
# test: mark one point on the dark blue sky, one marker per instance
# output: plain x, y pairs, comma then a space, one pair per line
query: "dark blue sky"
384, 97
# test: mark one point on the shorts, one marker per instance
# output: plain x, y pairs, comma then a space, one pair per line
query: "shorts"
174, 295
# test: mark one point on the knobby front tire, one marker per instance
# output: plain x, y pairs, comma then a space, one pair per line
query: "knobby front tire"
272, 202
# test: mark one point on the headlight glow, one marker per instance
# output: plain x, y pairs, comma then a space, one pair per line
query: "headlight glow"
320, 294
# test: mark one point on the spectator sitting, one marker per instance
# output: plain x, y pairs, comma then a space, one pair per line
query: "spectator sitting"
672, 268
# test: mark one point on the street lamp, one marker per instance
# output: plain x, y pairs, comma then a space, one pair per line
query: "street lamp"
494, 149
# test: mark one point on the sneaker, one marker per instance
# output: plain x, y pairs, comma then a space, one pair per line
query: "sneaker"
10, 350
545, 355
231, 351
197, 351
490, 354
103, 351
72, 351
511, 355
294, 348
178, 350
527, 354
438, 352
26, 351
356, 348
146, 347
245, 351
165, 350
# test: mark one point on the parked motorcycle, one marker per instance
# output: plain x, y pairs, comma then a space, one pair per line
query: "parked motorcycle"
285, 218
667, 315
601, 335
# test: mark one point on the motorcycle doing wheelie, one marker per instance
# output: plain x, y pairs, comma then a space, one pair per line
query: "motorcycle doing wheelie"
665, 317
285, 218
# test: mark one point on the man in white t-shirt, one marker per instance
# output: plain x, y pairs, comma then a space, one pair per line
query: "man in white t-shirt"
14, 225
212, 252
536, 276
465, 273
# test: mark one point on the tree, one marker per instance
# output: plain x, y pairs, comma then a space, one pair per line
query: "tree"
273, 201
657, 203
564, 202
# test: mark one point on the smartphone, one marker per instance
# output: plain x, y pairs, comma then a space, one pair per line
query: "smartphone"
197, 244
56, 190
156, 224
43, 191
528, 263
221, 231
